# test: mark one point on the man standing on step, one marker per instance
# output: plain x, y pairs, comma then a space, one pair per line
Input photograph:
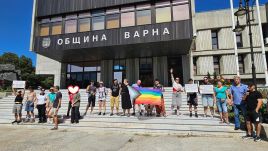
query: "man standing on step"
91, 91
208, 100
30, 102
254, 103
176, 95
136, 86
56, 106
238, 92
115, 88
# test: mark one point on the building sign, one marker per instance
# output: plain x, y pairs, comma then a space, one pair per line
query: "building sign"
104, 37
121, 36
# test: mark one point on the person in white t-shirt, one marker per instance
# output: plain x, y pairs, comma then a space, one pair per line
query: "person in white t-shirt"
177, 90
101, 95
41, 106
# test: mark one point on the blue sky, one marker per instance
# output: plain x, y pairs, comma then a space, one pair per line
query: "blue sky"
15, 26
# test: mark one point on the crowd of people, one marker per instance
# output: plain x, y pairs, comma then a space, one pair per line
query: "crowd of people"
243, 98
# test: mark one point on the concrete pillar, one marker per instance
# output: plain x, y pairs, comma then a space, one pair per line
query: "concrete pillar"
185, 68
130, 70
107, 72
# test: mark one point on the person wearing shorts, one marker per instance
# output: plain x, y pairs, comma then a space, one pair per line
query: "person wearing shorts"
176, 95
56, 107
101, 95
207, 100
221, 94
29, 107
49, 104
253, 116
91, 91
192, 101
17, 108
115, 91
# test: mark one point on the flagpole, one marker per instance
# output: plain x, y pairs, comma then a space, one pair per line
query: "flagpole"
262, 42
234, 37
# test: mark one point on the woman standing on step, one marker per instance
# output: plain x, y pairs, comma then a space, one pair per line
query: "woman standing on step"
18, 105
41, 106
126, 101
101, 96
221, 94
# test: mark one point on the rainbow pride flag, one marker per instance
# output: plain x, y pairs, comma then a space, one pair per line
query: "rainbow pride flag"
149, 96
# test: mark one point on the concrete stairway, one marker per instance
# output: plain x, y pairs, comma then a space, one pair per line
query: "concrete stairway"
172, 124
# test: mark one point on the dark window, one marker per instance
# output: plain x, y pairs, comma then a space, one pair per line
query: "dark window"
241, 64
239, 41
195, 66
146, 71
214, 37
216, 63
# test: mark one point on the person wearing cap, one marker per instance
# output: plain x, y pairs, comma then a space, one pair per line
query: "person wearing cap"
176, 95
17, 108
101, 96
30, 102
208, 100
41, 106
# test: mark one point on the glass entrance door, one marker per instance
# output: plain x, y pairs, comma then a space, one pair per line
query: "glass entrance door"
176, 64
146, 72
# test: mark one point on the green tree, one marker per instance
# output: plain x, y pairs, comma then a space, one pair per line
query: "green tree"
25, 65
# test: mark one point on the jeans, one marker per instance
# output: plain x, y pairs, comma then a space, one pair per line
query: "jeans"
222, 105
239, 107
75, 114
42, 112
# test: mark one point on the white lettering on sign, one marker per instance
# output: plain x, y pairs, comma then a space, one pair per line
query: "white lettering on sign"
166, 31
136, 34
103, 37
60, 41
127, 35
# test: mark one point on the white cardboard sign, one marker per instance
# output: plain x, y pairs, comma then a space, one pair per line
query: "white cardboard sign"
18, 84
206, 89
191, 88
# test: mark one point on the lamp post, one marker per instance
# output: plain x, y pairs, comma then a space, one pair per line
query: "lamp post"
245, 11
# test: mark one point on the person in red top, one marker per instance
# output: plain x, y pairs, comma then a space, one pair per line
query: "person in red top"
70, 103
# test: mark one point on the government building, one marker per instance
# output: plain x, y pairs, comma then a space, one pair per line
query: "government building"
78, 41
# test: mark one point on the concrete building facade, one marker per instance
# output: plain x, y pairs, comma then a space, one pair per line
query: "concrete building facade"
194, 44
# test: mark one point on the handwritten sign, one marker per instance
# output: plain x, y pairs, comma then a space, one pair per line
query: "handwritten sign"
190, 88
18, 84
206, 89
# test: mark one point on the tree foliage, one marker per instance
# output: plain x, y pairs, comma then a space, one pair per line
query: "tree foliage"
25, 65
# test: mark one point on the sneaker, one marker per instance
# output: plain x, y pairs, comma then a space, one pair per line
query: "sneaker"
140, 114
191, 114
111, 114
99, 113
103, 114
257, 139
176, 112
247, 137
54, 128
14, 122
237, 128
19, 122
40, 122
196, 115
133, 114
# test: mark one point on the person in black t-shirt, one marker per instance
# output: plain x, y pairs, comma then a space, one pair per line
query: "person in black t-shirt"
115, 88
192, 101
253, 105
17, 108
